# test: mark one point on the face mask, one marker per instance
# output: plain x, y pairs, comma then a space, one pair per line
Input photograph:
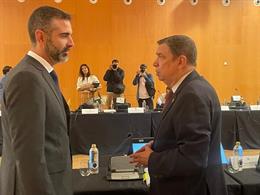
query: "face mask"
114, 66
142, 70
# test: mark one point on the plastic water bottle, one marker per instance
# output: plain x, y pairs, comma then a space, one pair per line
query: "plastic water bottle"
93, 163
240, 157
235, 158
144, 104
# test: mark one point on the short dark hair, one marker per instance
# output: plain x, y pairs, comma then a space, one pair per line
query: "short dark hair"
6, 69
181, 45
115, 60
41, 18
143, 66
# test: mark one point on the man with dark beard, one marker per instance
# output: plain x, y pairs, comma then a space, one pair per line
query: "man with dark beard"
36, 156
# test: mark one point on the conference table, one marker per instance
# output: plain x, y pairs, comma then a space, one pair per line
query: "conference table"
248, 179
111, 131
99, 185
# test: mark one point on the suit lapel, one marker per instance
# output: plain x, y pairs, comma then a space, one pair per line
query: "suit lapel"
53, 87
193, 75
46, 77
166, 110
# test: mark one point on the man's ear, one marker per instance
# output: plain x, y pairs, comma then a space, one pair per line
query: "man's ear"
40, 36
183, 60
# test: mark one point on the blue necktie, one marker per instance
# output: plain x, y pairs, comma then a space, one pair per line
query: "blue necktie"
66, 107
55, 78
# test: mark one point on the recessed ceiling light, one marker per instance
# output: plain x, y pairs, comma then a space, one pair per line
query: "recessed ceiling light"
161, 2
57, 1
257, 2
226, 2
128, 2
93, 1
194, 2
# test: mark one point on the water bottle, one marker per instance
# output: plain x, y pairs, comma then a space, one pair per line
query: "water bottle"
112, 103
144, 104
240, 157
93, 163
146, 108
235, 157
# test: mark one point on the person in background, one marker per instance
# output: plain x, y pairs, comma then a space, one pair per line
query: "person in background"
87, 84
162, 98
184, 157
114, 77
144, 82
5, 70
36, 156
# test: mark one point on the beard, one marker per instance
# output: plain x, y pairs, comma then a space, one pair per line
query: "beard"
56, 55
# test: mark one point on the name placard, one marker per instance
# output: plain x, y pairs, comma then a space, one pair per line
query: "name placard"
120, 100
224, 108
136, 110
109, 110
254, 107
89, 111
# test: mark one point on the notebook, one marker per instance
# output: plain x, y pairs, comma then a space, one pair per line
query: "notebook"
121, 164
122, 169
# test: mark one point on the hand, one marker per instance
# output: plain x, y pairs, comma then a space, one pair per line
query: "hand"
85, 86
149, 144
141, 157
92, 89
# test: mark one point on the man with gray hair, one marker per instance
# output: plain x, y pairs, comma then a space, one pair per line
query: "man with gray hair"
184, 157
36, 154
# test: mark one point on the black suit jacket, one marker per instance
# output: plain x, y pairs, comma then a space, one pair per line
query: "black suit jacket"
36, 156
113, 78
186, 158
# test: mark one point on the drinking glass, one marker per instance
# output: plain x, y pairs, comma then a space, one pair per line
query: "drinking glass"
84, 170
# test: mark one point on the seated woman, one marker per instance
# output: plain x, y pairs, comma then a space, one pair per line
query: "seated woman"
87, 84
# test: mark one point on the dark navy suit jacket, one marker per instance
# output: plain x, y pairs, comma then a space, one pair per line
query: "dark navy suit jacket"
186, 157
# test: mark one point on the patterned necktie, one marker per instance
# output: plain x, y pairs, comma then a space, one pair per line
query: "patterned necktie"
168, 98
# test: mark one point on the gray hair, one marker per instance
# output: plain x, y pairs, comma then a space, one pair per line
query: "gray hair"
41, 18
181, 45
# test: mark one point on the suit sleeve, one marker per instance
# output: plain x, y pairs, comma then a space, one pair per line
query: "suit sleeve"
107, 76
149, 80
25, 103
188, 154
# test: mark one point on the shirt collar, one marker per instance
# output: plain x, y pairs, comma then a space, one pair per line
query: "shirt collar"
175, 87
43, 62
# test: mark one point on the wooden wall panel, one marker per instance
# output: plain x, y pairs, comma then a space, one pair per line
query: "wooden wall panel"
111, 29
